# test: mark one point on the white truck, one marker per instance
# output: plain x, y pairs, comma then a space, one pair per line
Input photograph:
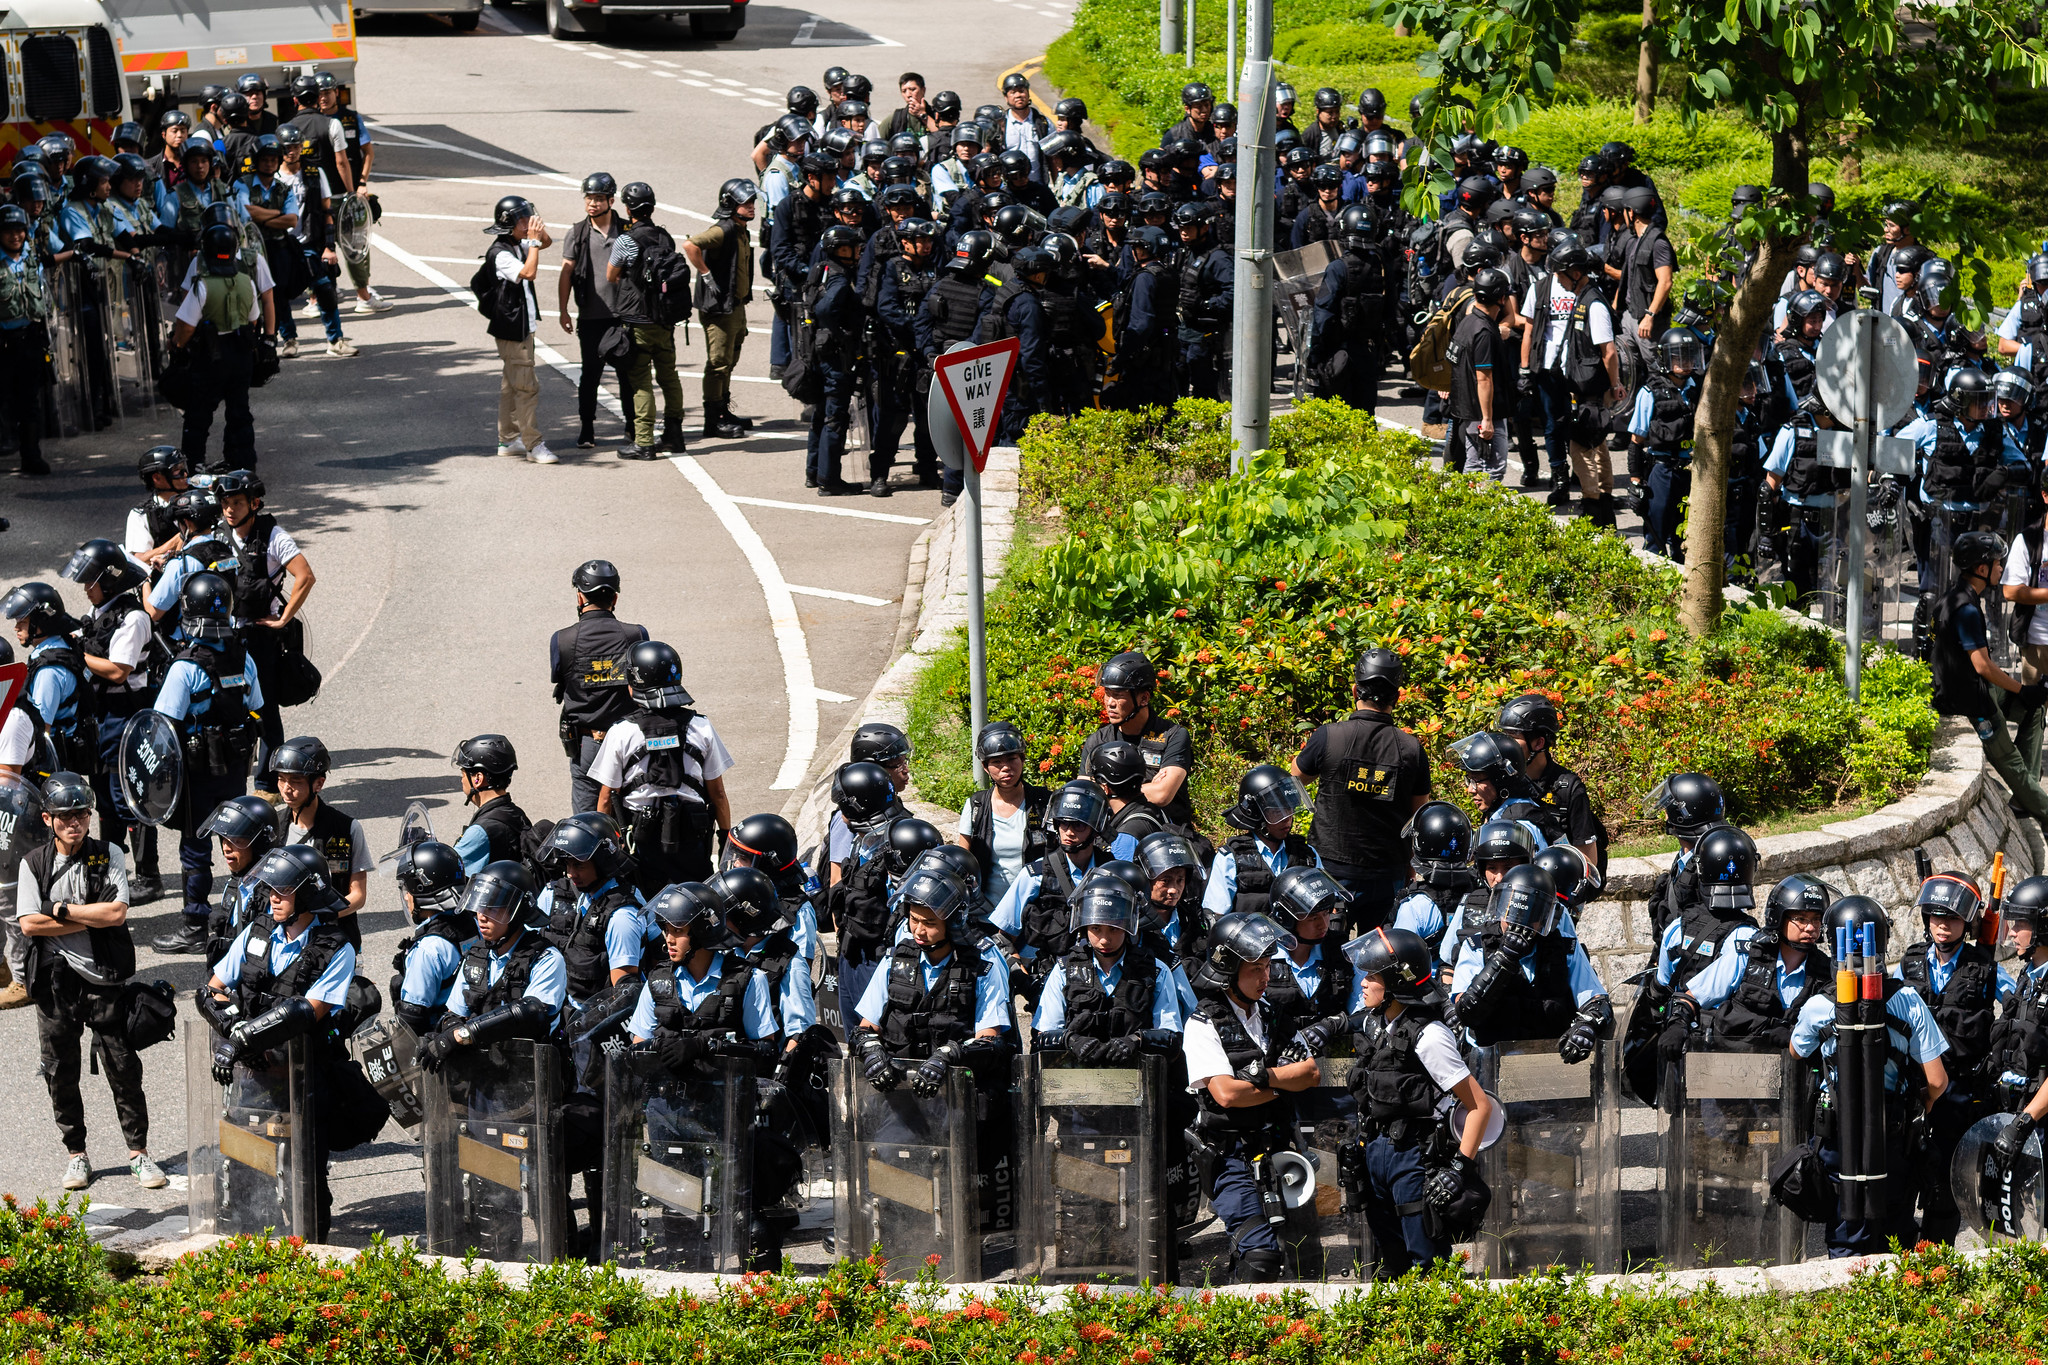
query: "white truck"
170, 49
58, 74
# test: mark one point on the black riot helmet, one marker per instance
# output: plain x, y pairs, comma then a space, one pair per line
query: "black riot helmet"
1120, 766
1329, 100
786, 132
862, 792
105, 563
2027, 903
1526, 896
1238, 938
1489, 286
1378, 676
944, 897
1532, 713
1503, 841
219, 250
1797, 894
945, 106
1950, 893
1266, 795
694, 908
196, 507
1300, 892
600, 182
908, 837
998, 739
166, 460
1105, 899
506, 215
1691, 804
1072, 107
1400, 959
208, 603
1357, 227
638, 197
951, 860
1440, 839
1577, 880
247, 819
736, 192
1860, 914
1969, 394
431, 875
1725, 859
297, 869
585, 837
878, 742
972, 252
1163, 850
766, 841
1803, 304
597, 580
654, 676
304, 756
1077, 803
803, 101
66, 793
1493, 755
491, 755
1129, 671
752, 907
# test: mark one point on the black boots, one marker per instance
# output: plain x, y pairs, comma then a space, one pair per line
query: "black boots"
672, 436
719, 423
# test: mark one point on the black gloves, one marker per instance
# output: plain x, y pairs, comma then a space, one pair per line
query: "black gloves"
767, 1096
930, 1076
1055, 1041
1518, 939
223, 1061
1159, 1040
1120, 1051
1579, 1041
1083, 1049
2006, 1150
1255, 1073
678, 1051
434, 1049
875, 1063
1678, 1021
1315, 1038
2034, 695
1446, 1183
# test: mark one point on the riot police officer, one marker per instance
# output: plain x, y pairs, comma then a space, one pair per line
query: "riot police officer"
24, 337
592, 910
1127, 681
1036, 911
57, 691
767, 843
429, 959
1968, 683
1143, 322
1349, 345
1234, 1049
247, 829
1661, 432
1311, 983
661, 772
1207, 277
1003, 825
1811, 494
1751, 994
1109, 997
1724, 860
940, 1001
1532, 719
514, 981
117, 648
1691, 804
1241, 877
1015, 310
302, 766
1370, 776
1446, 884
1121, 770
216, 330
1522, 975
904, 379
499, 830
152, 529
587, 665
1172, 901
831, 313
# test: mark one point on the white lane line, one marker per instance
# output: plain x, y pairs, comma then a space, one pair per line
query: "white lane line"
695, 72
821, 693
789, 632
662, 61
772, 94
765, 104
701, 85
631, 66
665, 75
727, 80
721, 90
833, 511
797, 678
384, 129
836, 596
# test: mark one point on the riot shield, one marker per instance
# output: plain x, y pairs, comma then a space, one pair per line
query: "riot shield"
2000, 1204
21, 824
2014, 515
493, 1149
1727, 1117
151, 767
251, 1159
1092, 1167
386, 1054
415, 827
903, 1174
678, 1165
597, 1030
1553, 1175
1298, 277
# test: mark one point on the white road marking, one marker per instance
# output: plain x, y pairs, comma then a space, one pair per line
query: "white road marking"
839, 698
695, 72
837, 596
662, 61
798, 681
833, 511
631, 66
435, 217
772, 94
665, 75
765, 104
721, 90
727, 80
385, 129
797, 678
701, 85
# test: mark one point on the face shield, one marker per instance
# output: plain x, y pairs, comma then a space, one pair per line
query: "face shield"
1106, 902
1278, 800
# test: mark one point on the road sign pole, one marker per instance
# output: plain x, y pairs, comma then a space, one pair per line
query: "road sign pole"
1859, 502
1251, 359
977, 629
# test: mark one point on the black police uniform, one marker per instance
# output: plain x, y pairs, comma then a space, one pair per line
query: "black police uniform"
1348, 350
1566, 805
832, 305
1208, 276
1667, 447
1163, 744
219, 738
1045, 921
903, 380
1397, 1100
670, 838
1369, 773
505, 827
587, 665
332, 833
1147, 347
1518, 1008
1074, 327
1015, 311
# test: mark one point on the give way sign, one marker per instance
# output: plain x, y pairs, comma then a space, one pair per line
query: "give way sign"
974, 380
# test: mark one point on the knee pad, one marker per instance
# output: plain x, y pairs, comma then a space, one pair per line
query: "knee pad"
1260, 1265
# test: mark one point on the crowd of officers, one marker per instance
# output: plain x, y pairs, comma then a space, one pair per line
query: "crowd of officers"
188, 261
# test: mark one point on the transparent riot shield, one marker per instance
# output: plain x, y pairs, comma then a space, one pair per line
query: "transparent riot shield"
678, 1165
67, 353
386, 1051
1887, 556
493, 1152
2013, 517
251, 1159
22, 829
597, 1030
2000, 1204
150, 768
903, 1174
1553, 1176
1092, 1168
1726, 1117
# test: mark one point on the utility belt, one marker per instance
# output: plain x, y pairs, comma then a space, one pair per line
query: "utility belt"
572, 737
670, 823
220, 752
1404, 1133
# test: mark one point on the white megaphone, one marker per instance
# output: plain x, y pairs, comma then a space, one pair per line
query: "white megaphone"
1297, 1178
1496, 1123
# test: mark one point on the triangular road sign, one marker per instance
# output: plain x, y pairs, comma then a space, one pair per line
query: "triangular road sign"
974, 380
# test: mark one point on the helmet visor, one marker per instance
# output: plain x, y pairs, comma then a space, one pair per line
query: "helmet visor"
282, 871
941, 895
1525, 903
1078, 803
1280, 800
1314, 892
495, 895
1108, 903
1160, 853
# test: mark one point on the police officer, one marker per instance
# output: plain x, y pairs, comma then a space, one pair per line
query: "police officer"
499, 830
1003, 825
1961, 470
286, 976
940, 1001
1348, 350
1143, 321
302, 766
1233, 1045
211, 696
883, 846
643, 271
247, 829
661, 773
586, 251
1532, 719
1172, 868
1811, 493
216, 328
1015, 310
1370, 776
723, 257
1120, 768
1691, 804
429, 960
1127, 681
1241, 875
831, 314
1915, 1075
1446, 886
1661, 433
24, 338
2019, 1046
1207, 278
116, 646
1968, 683
1724, 861
904, 378
887, 749
1075, 323
1962, 983
1035, 912
514, 981
587, 664
1754, 990
1409, 1066
1109, 997
593, 912
57, 691
72, 903
152, 529
1523, 974
1311, 983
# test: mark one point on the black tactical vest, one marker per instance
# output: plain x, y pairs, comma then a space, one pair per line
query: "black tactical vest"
954, 305
256, 595
722, 1011
1045, 915
1333, 988
1095, 1013
1955, 473
479, 995
1965, 1009
1703, 929
1671, 417
98, 637
1806, 475
1254, 877
996, 318
1240, 1050
917, 1020
1755, 1014
981, 830
668, 743
861, 897
259, 989
331, 835
593, 651
1394, 1089
1518, 1007
505, 826
581, 937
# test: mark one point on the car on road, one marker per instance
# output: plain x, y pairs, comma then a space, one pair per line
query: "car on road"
463, 14
713, 20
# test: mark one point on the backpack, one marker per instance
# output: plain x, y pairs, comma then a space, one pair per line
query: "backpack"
664, 278
1430, 362
485, 284
802, 379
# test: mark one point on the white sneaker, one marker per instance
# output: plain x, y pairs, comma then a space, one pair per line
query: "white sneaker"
287, 348
540, 454
515, 448
147, 1173
376, 303
311, 310
78, 1174
343, 347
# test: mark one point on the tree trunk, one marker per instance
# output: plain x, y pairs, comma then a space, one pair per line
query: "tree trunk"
1646, 67
1748, 317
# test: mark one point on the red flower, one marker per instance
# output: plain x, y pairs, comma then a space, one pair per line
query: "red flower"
934, 1259
1279, 586
1095, 1333
1180, 613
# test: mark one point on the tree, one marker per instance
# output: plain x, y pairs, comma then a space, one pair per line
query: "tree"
1646, 65
1794, 69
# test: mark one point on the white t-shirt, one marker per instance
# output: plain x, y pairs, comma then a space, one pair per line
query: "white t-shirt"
621, 762
1203, 1048
17, 740
1007, 837
2020, 572
264, 282
137, 540
360, 861
1599, 323
1437, 1050
188, 312
130, 643
281, 550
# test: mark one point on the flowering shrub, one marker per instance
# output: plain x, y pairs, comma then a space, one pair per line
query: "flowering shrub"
248, 1302
1254, 595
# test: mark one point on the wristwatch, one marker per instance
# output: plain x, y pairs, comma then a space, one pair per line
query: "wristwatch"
61, 911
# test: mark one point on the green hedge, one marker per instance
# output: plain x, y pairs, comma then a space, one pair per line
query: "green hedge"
1255, 594
248, 1302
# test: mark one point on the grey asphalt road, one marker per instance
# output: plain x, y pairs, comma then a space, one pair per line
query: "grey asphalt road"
441, 567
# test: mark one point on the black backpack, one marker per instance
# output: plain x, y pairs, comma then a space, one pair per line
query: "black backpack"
485, 285
664, 278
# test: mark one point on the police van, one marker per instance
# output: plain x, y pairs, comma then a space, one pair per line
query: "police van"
171, 49
63, 76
